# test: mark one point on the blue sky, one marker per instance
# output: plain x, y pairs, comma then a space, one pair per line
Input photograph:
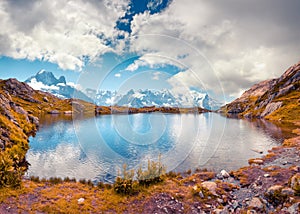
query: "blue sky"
213, 46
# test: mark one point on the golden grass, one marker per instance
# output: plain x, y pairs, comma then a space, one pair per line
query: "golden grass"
63, 198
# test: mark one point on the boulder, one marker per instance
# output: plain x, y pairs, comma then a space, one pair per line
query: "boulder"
210, 186
273, 189
256, 203
34, 120
224, 174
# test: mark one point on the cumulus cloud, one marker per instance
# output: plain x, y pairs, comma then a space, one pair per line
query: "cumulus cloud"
221, 46
153, 61
118, 75
59, 31
228, 46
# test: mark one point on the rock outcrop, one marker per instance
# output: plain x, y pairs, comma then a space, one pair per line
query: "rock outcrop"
272, 99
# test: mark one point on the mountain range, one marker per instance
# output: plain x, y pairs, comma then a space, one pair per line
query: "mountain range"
163, 98
46, 81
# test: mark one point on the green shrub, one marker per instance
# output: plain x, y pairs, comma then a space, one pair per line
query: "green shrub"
90, 183
124, 185
55, 180
152, 175
35, 178
82, 181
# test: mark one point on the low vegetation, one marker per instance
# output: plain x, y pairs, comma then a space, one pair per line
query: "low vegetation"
126, 184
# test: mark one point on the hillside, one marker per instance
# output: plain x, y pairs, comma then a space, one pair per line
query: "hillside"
20, 108
275, 99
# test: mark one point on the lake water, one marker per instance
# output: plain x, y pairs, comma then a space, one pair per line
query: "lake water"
96, 148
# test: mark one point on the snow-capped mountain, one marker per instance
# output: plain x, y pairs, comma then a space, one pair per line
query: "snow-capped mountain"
46, 81
166, 98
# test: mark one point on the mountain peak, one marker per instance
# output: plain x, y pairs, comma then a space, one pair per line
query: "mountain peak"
46, 81
47, 78
41, 71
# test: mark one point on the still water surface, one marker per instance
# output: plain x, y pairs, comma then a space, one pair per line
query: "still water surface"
96, 148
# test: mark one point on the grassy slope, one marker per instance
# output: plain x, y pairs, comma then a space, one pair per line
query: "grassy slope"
290, 111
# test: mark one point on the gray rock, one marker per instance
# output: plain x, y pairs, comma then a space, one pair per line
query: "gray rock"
294, 209
285, 90
34, 120
256, 203
224, 174
271, 107
288, 191
211, 186
53, 112
274, 189
45, 99
201, 194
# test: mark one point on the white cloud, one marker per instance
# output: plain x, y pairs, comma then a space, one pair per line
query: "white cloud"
61, 32
153, 60
227, 45
153, 4
74, 85
226, 48
118, 75
40, 86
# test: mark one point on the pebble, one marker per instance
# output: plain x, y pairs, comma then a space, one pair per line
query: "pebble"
201, 194
266, 175
251, 212
220, 200
80, 200
166, 210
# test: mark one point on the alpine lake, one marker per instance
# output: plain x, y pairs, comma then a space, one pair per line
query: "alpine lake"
96, 148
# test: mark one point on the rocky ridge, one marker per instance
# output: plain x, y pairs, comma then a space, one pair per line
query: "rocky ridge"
277, 99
